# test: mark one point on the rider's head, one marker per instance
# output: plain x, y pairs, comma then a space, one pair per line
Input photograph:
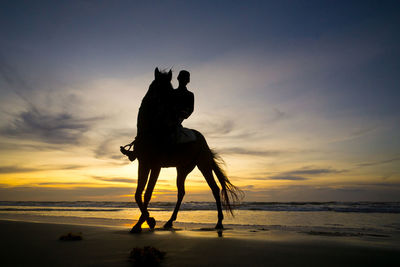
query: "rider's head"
184, 77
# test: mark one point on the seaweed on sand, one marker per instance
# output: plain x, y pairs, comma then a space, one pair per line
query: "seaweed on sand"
147, 256
71, 237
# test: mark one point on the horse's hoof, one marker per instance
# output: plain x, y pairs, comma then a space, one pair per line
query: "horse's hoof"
136, 230
151, 222
168, 225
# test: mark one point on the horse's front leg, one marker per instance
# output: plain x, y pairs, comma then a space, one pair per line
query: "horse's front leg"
143, 174
155, 172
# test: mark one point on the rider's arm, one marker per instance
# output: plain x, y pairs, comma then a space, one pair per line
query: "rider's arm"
189, 107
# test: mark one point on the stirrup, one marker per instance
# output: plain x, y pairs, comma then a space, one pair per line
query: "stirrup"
127, 152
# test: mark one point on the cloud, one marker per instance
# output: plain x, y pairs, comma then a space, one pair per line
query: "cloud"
217, 126
6, 169
288, 177
379, 162
363, 131
387, 176
73, 193
214, 127
109, 146
278, 115
61, 128
307, 171
74, 184
280, 177
15, 169
14, 80
23, 146
47, 113
383, 184
115, 179
299, 174
252, 152
247, 187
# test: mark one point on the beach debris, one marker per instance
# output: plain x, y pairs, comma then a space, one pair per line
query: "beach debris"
71, 237
146, 256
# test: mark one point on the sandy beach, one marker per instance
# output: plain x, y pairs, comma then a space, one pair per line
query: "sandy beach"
38, 244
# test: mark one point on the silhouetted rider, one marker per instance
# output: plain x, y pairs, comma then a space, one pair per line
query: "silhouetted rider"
182, 98
161, 114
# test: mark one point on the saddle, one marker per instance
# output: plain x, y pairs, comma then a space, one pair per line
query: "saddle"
183, 136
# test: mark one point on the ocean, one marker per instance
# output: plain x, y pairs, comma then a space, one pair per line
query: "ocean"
380, 219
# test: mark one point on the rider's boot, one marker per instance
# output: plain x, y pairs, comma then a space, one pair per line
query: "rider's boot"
132, 155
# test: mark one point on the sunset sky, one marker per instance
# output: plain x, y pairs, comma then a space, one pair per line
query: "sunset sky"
301, 98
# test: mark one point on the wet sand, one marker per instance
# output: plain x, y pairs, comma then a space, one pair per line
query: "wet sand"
38, 244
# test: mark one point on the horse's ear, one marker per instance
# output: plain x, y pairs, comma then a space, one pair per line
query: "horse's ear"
170, 75
156, 73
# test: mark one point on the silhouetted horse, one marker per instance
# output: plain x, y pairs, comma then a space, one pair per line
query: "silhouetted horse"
185, 157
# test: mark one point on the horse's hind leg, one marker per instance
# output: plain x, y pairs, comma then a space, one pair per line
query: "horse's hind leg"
180, 184
208, 175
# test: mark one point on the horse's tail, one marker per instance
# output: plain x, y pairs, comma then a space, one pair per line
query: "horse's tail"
230, 194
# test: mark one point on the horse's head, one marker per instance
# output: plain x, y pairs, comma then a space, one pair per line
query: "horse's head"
161, 84
162, 77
